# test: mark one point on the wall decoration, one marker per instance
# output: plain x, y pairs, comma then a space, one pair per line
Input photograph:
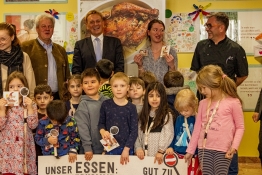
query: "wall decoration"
249, 90
132, 18
182, 32
25, 27
33, 1
200, 11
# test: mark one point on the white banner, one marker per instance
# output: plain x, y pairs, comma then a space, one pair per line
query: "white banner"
110, 165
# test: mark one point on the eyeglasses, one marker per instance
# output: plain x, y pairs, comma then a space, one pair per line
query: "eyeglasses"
4, 40
209, 26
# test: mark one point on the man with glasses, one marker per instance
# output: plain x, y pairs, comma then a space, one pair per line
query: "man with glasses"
219, 50
90, 50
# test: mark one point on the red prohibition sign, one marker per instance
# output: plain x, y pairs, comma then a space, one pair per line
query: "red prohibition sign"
171, 161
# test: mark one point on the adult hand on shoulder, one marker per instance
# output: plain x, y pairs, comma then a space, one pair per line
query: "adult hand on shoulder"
138, 60
255, 117
140, 154
170, 61
88, 155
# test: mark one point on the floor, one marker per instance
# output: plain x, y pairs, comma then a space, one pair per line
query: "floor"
249, 166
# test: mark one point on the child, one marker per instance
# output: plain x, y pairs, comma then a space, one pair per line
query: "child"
106, 69
186, 104
219, 123
14, 140
136, 92
88, 112
156, 129
174, 82
43, 96
119, 113
68, 138
148, 77
72, 93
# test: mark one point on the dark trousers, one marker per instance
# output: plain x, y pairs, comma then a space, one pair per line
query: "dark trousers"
233, 167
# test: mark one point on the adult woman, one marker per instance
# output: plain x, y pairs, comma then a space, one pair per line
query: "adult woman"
30, 32
153, 62
12, 58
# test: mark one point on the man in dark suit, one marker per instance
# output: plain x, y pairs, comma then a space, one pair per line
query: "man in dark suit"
256, 117
90, 50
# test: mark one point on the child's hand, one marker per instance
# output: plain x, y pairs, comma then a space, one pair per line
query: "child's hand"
88, 155
125, 156
140, 154
188, 158
105, 134
230, 153
72, 157
52, 140
170, 151
28, 103
159, 158
3, 102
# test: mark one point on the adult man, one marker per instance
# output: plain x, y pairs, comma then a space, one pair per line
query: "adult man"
219, 50
90, 50
256, 117
49, 60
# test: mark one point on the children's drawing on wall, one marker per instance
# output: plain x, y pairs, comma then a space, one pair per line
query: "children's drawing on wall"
126, 20
71, 36
189, 78
182, 32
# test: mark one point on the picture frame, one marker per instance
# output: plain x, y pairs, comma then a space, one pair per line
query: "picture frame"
34, 1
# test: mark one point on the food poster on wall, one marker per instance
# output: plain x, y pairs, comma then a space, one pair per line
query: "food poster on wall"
124, 19
182, 32
26, 29
249, 28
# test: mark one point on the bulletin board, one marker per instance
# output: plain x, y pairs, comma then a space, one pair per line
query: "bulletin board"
249, 90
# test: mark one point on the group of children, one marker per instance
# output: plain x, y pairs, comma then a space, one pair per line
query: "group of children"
138, 116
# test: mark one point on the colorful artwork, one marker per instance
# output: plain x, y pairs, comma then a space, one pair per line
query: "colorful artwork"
182, 32
126, 20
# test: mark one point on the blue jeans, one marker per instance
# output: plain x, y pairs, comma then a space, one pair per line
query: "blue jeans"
118, 151
233, 167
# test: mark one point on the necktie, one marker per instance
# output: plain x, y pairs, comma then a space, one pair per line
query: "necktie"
98, 50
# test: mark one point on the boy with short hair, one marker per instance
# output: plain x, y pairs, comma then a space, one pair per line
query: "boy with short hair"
43, 96
68, 138
136, 92
88, 112
119, 113
148, 77
174, 82
105, 69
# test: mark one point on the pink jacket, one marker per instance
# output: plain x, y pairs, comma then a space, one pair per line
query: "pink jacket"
226, 129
